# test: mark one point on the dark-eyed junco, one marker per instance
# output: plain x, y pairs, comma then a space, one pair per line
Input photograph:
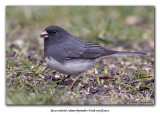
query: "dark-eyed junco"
71, 55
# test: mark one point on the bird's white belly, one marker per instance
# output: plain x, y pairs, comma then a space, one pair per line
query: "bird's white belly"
71, 66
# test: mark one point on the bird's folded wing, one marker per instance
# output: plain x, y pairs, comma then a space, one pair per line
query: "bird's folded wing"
90, 51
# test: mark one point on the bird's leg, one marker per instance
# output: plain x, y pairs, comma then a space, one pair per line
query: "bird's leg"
62, 80
68, 76
75, 81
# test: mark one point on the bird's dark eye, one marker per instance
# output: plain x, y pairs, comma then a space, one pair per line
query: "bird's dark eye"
51, 31
54, 32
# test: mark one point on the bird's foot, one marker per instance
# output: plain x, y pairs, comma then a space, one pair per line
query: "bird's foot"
62, 81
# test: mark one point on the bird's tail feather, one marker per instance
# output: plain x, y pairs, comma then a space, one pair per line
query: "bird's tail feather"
130, 53
117, 53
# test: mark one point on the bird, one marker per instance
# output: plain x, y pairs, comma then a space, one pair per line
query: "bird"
71, 55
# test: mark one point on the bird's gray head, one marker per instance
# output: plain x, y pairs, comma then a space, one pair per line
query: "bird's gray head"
54, 34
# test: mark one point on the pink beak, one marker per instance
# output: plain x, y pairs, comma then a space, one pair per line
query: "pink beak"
44, 34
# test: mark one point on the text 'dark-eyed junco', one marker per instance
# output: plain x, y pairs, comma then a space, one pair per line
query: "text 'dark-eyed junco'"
71, 55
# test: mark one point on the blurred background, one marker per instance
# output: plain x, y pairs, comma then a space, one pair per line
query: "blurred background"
90, 23
122, 28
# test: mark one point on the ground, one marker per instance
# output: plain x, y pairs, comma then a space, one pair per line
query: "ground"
115, 80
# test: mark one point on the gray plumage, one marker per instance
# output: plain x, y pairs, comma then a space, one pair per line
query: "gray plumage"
65, 48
